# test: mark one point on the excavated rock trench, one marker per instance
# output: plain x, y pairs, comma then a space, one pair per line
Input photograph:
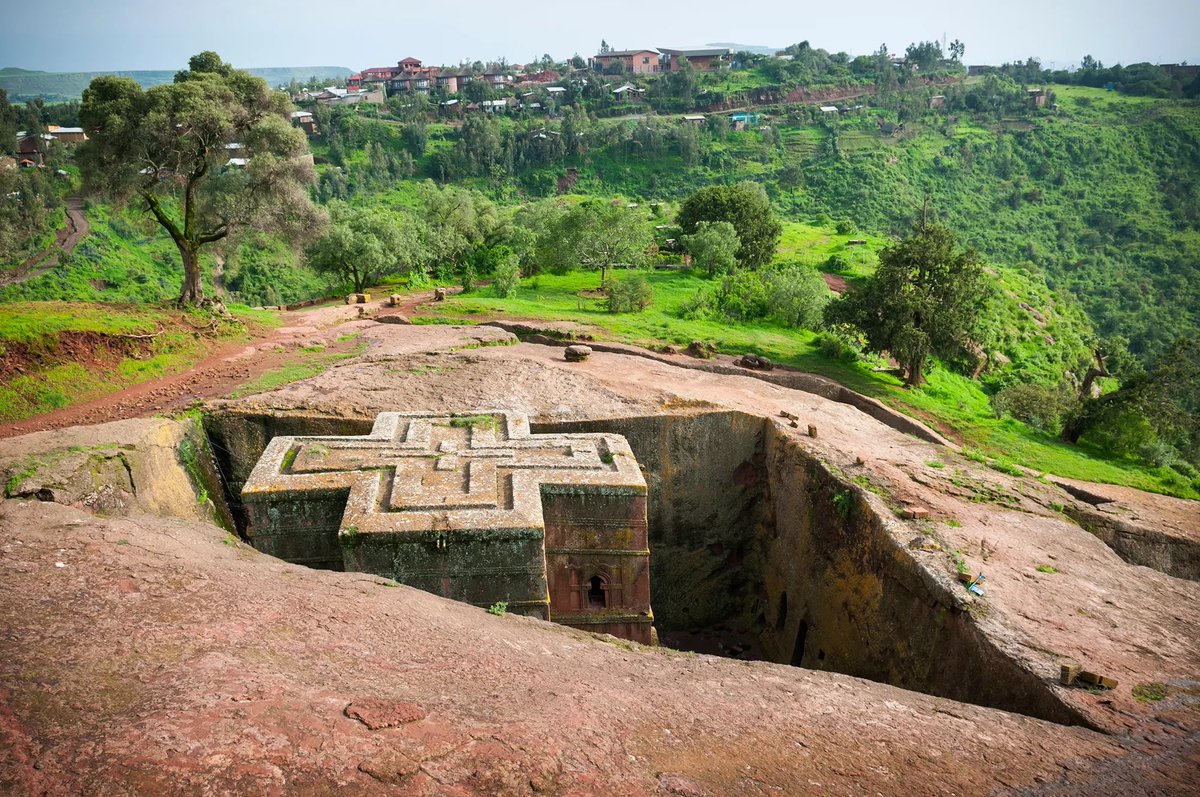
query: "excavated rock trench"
758, 550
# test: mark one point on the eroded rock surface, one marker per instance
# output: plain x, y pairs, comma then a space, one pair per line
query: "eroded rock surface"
162, 658
152, 465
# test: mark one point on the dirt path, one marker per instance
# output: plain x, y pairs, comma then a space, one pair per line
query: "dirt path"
227, 367
64, 243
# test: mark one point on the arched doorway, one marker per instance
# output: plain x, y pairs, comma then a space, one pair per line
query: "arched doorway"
597, 594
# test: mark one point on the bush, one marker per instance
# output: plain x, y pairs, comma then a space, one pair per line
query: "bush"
630, 295
1041, 407
845, 227
741, 297
506, 278
796, 296
837, 344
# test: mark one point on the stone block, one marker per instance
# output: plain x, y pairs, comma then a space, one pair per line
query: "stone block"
1068, 673
470, 507
577, 353
1097, 680
915, 513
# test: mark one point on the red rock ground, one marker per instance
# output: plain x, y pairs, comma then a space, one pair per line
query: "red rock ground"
152, 656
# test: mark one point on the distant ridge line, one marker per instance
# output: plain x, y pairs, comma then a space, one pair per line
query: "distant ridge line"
26, 84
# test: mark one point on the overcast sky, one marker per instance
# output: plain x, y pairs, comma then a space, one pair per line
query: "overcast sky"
94, 35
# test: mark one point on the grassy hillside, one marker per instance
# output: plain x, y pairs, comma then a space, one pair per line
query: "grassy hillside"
55, 354
128, 258
25, 84
955, 404
1101, 195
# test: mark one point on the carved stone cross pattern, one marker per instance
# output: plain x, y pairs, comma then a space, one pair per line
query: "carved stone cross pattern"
452, 504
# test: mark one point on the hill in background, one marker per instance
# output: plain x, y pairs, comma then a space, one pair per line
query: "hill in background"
23, 84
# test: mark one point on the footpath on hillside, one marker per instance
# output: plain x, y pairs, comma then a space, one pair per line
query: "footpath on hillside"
65, 242
228, 367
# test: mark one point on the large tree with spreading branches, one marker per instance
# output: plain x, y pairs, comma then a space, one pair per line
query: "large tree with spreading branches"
207, 155
924, 298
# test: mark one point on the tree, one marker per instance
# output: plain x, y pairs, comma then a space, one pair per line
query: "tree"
925, 56
363, 245
924, 298
457, 221
595, 235
167, 146
1155, 409
713, 246
885, 74
957, 48
747, 208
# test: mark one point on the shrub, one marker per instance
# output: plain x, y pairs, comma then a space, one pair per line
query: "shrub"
845, 227
506, 278
630, 295
1041, 407
837, 346
741, 296
796, 296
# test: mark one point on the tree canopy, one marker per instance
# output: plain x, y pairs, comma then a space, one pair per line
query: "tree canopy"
1154, 415
745, 206
713, 246
209, 154
364, 244
924, 298
595, 235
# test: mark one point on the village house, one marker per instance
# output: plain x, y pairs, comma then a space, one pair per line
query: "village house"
536, 78
448, 82
937, 101
638, 62
414, 77
497, 78
304, 121
31, 149
67, 135
629, 92
1037, 98
703, 59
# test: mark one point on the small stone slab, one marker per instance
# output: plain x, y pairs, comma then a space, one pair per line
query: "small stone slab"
394, 318
390, 766
395, 300
915, 513
358, 298
1098, 680
755, 362
1068, 673
577, 353
376, 714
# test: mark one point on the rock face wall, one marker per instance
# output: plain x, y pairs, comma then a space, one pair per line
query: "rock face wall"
843, 592
152, 465
751, 531
706, 486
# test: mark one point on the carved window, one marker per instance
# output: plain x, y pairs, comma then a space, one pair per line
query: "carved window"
597, 594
